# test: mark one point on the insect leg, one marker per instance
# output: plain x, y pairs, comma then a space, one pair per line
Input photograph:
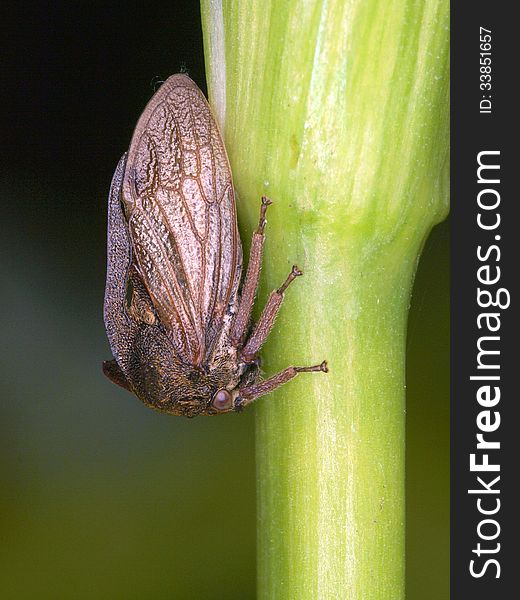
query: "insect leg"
266, 321
251, 392
252, 276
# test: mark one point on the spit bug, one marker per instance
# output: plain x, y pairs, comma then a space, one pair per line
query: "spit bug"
177, 318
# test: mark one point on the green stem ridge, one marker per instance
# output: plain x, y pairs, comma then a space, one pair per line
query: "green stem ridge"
338, 111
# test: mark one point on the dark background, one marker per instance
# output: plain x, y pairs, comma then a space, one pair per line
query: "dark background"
100, 497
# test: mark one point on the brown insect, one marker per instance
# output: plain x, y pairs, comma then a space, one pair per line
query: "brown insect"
178, 322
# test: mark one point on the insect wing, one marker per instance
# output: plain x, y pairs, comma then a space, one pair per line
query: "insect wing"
118, 326
179, 201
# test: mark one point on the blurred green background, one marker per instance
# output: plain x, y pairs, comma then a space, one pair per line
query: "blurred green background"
101, 497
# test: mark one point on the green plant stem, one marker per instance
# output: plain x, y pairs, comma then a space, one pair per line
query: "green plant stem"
337, 110
331, 456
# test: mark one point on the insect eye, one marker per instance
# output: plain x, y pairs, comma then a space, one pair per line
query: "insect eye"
222, 400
